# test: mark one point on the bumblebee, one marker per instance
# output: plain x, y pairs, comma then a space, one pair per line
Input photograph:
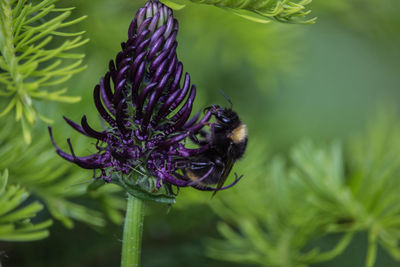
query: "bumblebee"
227, 140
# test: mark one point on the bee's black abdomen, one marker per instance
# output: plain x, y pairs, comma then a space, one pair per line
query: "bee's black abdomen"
238, 149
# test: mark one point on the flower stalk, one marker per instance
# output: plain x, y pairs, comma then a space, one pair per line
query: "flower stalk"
133, 229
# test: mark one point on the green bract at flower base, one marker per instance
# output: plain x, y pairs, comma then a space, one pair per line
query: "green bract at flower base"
262, 11
29, 62
15, 223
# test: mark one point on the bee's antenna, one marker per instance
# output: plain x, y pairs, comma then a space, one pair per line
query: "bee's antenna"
227, 98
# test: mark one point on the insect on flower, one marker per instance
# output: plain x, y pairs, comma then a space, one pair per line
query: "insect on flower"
147, 109
228, 140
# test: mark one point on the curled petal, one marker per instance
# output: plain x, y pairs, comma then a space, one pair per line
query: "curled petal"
143, 45
136, 84
112, 70
118, 92
89, 162
154, 22
144, 25
155, 47
105, 92
187, 108
184, 91
142, 98
157, 34
154, 97
76, 126
120, 116
192, 121
91, 132
170, 25
104, 114
158, 60
132, 28
197, 127
170, 41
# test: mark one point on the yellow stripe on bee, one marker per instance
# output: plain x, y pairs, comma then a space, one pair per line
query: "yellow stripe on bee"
238, 134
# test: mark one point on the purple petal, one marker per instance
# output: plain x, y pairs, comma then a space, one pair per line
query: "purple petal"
91, 132
136, 84
118, 92
89, 162
170, 41
103, 113
154, 22
155, 47
160, 58
76, 126
197, 127
159, 32
105, 92
120, 117
183, 93
177, 79
170, 25
142, 97
144, 25
142, 46
132, 28
192, 120
140, 15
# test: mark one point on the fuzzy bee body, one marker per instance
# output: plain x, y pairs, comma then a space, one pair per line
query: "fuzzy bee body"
227, 142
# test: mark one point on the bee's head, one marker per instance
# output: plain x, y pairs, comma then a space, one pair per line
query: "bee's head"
224, 116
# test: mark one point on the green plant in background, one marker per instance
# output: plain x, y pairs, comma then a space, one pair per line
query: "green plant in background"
276, 216
259, 10
31, 61
276, 43
378, 20
268, 221
15, 221
46, 177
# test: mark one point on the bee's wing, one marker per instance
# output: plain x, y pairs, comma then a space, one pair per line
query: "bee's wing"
224, 176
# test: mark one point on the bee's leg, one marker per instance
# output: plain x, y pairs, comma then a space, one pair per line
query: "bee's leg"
194, 165
209, 188
205, 176
195, 140
201, 165
182, 164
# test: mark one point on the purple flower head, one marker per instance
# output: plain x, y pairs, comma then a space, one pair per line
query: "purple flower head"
146, 100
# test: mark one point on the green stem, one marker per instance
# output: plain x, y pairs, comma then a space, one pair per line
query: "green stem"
133, 228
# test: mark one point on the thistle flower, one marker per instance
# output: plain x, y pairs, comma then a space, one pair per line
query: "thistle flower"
147, 111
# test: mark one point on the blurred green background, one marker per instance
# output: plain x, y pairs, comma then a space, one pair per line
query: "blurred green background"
287, 82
